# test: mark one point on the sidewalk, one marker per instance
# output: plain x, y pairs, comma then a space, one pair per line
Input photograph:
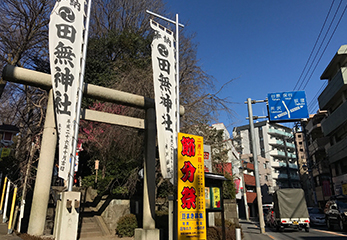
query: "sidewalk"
251, 231
4, 235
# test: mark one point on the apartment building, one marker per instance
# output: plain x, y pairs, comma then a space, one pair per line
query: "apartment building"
249, 188
243, 175
334, 125
316, 167
276, 155
233, 164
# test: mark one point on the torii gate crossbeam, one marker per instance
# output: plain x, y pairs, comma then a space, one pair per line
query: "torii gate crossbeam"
49, 140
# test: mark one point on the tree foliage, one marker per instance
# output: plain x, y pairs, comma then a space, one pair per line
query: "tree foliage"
24, 43
119, 57
23, 33
118, 149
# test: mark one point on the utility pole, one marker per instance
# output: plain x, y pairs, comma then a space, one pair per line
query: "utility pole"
255, 158
287, 162
309, 161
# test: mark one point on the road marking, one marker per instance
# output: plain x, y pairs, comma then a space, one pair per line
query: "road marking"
334, 233
270, 236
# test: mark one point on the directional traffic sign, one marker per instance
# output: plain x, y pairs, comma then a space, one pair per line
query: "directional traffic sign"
287, 106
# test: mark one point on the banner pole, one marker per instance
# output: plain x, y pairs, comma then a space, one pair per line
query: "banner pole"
79, 102
175, 206
173, 199
177, 75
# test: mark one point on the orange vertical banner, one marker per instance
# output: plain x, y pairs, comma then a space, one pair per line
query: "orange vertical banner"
191, 188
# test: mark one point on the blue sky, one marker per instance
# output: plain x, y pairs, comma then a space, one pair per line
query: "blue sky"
263, 45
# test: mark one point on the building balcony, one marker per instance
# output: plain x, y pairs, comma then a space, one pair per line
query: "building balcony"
279, 175
322, 168
278, 164
248, 166
318, 145
334, 120
314, 123
249, 180
236, 136
279, 133
237, 145
335, 88
251, 196
295, 177
277, 154
337, 151
282, 154
280, 143
293, 166
275, 142
311, 125
290, 145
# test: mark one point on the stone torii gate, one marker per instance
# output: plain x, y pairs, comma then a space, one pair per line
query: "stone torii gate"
49, 140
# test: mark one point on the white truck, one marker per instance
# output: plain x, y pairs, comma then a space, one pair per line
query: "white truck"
290, 209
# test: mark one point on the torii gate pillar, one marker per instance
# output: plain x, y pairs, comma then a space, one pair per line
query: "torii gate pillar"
148, 231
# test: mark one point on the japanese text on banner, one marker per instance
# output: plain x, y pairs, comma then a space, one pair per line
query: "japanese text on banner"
191, 188
163, 63
65, 45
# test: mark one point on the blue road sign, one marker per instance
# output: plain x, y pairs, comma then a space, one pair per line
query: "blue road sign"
287, 106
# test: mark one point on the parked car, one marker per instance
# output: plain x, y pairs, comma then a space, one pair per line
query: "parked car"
317, 216
336, 212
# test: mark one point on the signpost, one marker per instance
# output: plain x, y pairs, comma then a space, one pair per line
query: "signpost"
287, 106
282, 107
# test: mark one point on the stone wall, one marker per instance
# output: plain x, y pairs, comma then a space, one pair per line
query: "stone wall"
114, 210
230, 211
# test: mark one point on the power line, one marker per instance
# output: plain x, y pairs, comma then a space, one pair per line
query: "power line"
338, 23
332, 21
326, 18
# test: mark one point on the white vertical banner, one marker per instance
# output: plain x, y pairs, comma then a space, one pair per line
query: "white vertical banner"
65, 45
164, 71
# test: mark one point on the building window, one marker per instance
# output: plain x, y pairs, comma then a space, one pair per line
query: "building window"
341, 166
264, 164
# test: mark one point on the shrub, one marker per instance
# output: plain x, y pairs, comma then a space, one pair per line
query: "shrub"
102, 183
229, 190
126, 225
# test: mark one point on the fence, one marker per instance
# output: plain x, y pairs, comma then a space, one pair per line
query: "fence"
8, 187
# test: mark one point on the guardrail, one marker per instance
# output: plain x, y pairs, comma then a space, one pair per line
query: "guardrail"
4, 203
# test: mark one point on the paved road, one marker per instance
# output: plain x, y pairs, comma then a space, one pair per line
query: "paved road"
316, 233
